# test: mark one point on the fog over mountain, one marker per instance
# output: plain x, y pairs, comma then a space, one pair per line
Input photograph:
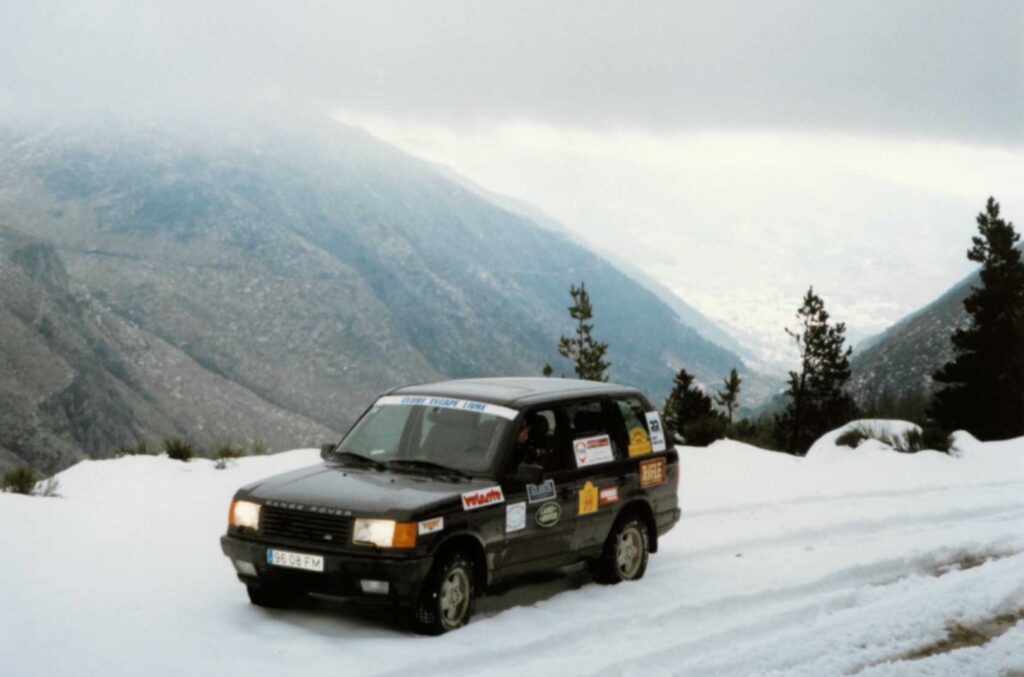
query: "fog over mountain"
289, 273
749, 150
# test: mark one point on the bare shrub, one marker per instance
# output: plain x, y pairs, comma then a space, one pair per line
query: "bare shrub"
179, 449
20, 480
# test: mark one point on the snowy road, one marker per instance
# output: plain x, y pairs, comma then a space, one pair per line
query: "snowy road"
834, 564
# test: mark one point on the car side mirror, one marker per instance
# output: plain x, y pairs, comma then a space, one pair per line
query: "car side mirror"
528, 473
327, 449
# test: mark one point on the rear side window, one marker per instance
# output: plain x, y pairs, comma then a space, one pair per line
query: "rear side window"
592, 436
634, 417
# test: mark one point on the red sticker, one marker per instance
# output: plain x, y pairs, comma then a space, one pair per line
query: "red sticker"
609, 495
481, 498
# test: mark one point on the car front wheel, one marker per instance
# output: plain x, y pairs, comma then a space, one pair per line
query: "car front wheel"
625, 553
446, 601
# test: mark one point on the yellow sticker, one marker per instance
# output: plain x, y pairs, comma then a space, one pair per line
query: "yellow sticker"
588, 499
639, 442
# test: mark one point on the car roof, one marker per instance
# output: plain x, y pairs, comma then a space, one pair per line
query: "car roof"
516, 392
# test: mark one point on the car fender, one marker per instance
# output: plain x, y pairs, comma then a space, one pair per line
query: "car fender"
641, 504
468, 537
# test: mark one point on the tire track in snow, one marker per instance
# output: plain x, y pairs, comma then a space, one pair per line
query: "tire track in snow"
774, 607
866, 628
857, 528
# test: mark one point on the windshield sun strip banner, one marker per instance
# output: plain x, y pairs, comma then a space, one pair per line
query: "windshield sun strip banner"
449, 403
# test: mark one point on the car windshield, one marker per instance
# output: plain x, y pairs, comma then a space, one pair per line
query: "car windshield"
458, 434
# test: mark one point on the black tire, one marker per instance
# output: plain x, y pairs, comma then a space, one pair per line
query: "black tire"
625, 553
273, 597
446, 600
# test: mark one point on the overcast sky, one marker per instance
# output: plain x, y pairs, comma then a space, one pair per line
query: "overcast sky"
739, 151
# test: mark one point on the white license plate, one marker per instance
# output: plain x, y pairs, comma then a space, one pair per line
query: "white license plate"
295, 560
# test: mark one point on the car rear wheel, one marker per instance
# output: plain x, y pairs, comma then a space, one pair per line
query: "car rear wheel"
272, 596
625, 553
446, 601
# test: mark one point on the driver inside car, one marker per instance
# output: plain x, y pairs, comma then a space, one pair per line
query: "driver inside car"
533, 438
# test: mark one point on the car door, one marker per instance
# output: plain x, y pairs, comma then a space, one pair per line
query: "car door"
598, 443
539, 515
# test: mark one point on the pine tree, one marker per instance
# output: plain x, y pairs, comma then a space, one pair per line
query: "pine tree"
689, 413
817, 400
586, 353
984, 383
669, 418
730, 392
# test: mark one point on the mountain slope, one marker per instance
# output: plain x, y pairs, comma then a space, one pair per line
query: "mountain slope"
315, 268
903, 358
76, 378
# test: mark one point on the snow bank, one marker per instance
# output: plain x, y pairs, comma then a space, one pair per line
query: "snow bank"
730, 473
876, 428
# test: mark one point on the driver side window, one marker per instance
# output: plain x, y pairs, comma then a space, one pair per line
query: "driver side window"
537, 442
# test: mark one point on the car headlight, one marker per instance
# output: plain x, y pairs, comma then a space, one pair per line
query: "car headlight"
384, 533
245, 515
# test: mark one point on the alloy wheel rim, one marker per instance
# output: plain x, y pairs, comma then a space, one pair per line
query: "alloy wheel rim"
629, 552
454, 597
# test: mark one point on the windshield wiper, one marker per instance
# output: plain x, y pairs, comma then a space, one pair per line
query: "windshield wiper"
427, 465
360, 458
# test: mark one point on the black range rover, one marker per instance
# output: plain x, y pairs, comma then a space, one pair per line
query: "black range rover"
440, 490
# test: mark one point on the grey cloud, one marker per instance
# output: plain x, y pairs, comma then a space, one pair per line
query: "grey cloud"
908, 68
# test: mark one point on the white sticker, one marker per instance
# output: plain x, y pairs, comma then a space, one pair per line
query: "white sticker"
471, 500
430, 526
515, 517
591, 450
448, 403
655, 431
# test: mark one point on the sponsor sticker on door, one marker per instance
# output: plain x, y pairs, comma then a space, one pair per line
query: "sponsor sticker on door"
515, 517
592, 450
588, 499
537, 493
430, 526
639, 443
481, 498
655, 430
547, 514
652, 472
608, 495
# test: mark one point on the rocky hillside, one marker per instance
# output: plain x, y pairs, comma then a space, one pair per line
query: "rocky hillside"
270, 283
904, 357
76, 377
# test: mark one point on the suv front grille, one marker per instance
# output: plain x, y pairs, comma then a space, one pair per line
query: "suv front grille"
304, 526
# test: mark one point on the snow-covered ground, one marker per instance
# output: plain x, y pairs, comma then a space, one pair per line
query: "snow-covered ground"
847, 561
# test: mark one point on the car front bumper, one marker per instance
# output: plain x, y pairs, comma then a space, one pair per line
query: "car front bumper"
342, 575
